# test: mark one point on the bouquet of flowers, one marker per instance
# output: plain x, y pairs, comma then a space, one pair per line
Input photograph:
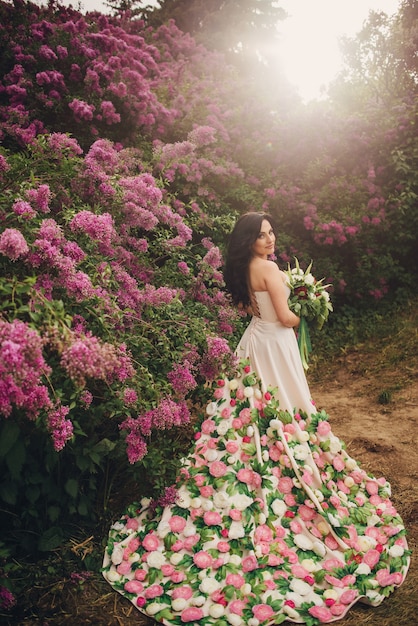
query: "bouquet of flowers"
310, 300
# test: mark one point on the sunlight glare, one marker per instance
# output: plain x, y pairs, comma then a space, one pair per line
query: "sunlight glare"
308, 49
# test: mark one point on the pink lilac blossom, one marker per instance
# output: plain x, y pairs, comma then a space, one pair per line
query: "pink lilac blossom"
109, 113
218, 354
213, 258
163, 417
13, 244
89, 357
72, 250
62, 145
183, 268
202, 135
22, 367
78, 284
61, 429
51, 78
82, 110
23, 209
136, 447
86, 398
4, 166
7, 599
182, 379
98, 227
130, 396
40, 197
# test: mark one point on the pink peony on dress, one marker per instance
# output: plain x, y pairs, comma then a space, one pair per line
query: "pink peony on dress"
273, 519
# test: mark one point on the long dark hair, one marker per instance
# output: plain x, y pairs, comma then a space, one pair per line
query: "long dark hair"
239, 254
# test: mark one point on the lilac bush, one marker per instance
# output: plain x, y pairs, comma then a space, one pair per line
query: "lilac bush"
97, 322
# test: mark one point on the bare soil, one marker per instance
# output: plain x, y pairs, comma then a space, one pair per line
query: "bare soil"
371, 396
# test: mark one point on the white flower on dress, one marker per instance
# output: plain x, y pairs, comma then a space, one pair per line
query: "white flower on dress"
303, 542
300, 587
195, 503
300, 452
221, 499
189, 530
178, 604
366, 543
295, 597
209, 585
211, 455
395, 551
290, 611
373, 520
363, 569
183, 500
163, 529
319, 495
236, 530
262, 519
303, 435
248, 392
250, 431
156, 559
240, 501
112, 575
155, 607
278, 507
331, 594
211, 408
374, 596
223, 428
117, 555
334, 520
235, 559
234, 620
342, 496
309, 564
334, 445
216, 610
198, 601
207, 505
176, 558
233, 384
319, 548
350, 464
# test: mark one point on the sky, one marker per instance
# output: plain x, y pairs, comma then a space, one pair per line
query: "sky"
308, 51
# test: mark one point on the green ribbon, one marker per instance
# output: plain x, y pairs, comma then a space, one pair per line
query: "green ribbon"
304, 342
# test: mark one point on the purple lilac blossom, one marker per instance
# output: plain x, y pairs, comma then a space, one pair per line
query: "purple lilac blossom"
13, 244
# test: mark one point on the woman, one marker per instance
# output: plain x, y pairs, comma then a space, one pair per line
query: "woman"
272, 519
257, 284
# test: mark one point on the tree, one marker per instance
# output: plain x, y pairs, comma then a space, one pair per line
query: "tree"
380, 61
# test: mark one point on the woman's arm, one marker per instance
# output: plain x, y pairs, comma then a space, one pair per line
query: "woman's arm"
274, 282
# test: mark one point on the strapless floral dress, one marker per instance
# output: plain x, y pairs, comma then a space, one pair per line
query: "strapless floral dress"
273, 519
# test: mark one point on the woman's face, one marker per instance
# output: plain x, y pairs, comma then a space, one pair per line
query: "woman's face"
264, 244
